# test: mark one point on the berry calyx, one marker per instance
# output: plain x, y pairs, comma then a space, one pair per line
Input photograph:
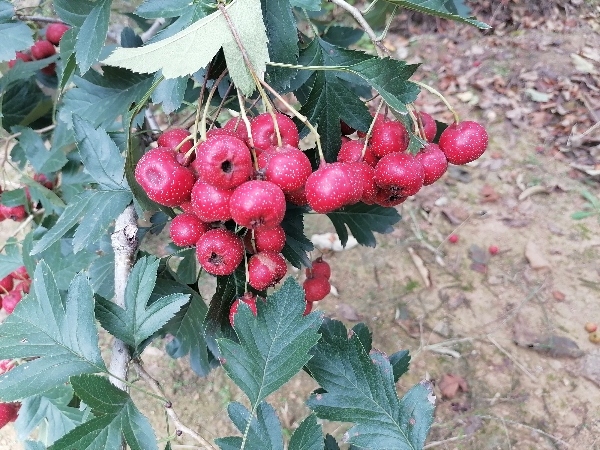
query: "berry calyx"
249, 299
319, 268
316, 288
173, 137
210, 203
286, 166
453, 238
257, 204
493, 249
55, 31
463, 142
272, 239
389, 137
332, 186
219, 251
266, 269
165, 180
434, 163
389, 198
400, 172
264, 135
186, 229
223, 161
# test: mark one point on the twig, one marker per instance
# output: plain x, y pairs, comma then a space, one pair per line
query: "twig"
537, 430
39, 19
445, 441
168, 406
512, 358
152, 124
355, 12
154, 28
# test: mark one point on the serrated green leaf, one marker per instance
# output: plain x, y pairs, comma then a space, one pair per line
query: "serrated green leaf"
23, 70
14, 197
73, 12
342, 36
400, 362
362, 220
273, 346
99, 155
170, 93
283, 40
296, 243
43, 160
116, 418
311, 5
51, 407
65, 265
180, 55
60, 334
308, 435
21, 104
11, 259
50, 201
14, 36
139, 320
34, 445
439, 8
330, 443
360, 389
95, 209
67, 55
155, 9
92, 34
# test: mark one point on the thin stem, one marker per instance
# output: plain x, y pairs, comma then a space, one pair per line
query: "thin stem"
368, 135
415, 121
355, 12
368, 9
248, 129
220, 107
437, 93
207, 105
154, 28
41, 19
246, 265
382, 36
199, 107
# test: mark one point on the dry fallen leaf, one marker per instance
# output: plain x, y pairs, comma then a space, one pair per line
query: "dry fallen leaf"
451, 384
420, 265
488, 194
590, 367
347, 312
536, 258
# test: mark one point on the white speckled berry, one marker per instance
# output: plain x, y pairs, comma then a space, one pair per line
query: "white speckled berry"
257, 204
434, 163
219, 251
223, 161
399, 172
464, 142
210, 203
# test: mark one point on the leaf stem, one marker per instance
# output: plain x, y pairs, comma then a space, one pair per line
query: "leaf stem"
199, 107
248, 129
207, 105
438, 94
370, 131
382, 36
415, 121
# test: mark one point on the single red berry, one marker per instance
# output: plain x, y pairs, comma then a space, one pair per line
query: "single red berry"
332, 186
257, 204
389, 137
264, 135
6, 365
187, 207
400, 172
10, 300
590, 327
210, 203
463, 142
23, 287
297, 197
55, 32
42, 49
493, 249
272, 239
351, 151
8, 413
165, 180
6, 284
266, 269
286, 166
222, 132
316, 288
249, 299
173, 137
453, 238
378, 120
429, 126
223, 161
237, 125
346, 129
45, 181
308, 308
434, 163
16, 213
20, 274
219, 251
319, 268
366, 174
186, 229
22, 56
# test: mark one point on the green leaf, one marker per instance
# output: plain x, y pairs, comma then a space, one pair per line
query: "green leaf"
43, 160
74, 12
342, 36
180, 55
360, 389
65, 265
92, 35
400, 362
99, 155
60, 334
439, 8
170, 93
579, 215
296, 243
283, 39
155, 9
273, 346
14, 36
11, 259
139, 320
116, 418
311, 5
308, 435
23, 103
49, 199
95, 209
330, 443
51, 408
23, 70
591, 198
102, 269
67, 55
34, 445
362, 220
15, 197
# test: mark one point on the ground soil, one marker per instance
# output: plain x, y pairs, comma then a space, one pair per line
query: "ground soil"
467, 321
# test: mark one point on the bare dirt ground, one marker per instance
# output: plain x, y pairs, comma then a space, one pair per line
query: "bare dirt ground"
510, 334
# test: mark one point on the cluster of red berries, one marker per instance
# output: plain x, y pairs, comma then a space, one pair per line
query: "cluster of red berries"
19, 213
44, 48
8, 411
12, 288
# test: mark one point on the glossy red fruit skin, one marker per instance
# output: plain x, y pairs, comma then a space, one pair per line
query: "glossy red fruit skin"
272, 239
389, 137
263, 131
400, 172
187, 207
257, 204
165, 180
388, 198
493, 250
316, 288
286, 166
429, 126
42, 49
219, 251
8, 413
266, 269
6, 284
6, 365
332, 186
237, 126
319, 268
223, 161
55, 32
297, 197
10, 300
16, 213
221, 132
19, 55
434, 163
351, 151
248, 299
378, 120
186, 229
366, 173
464, 142
210, 203
173, 137
453, 238
308, 308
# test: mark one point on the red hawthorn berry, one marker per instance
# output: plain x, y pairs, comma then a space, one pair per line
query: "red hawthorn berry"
389, 137
237, 125
264, 135
45, 181
332, 186
23, 287
493, 249
319, 268
257, 204
249, 299
8, 413
266, 269
16, 213
44, 49
186, 229
351, 151
272, 239
453, 238
10, 300
463, 142
20, 274
6, 365
434, 163
219, 251
55, 31
316, 288
210, 203
429, 126
591, 327
223, 161
288, 167
22, 56
400, 172
297, 197
379, 120
6, 284
173, 137
388, 198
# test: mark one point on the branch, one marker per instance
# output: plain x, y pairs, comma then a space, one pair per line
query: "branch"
181, 428
154, 28
379, 47
125, 244
39, 19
